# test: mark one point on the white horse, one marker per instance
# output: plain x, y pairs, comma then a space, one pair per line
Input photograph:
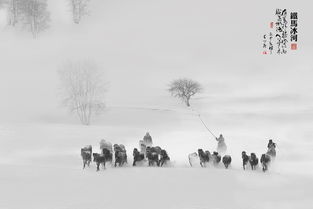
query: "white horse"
192, 157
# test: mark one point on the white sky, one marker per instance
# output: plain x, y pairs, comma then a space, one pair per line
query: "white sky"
144, 44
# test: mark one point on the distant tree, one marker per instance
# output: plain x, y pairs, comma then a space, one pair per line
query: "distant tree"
14, 10
79, 9
83, 89
184, 89
35, 15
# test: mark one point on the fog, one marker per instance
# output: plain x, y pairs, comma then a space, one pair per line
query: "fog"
141, 46
144, 46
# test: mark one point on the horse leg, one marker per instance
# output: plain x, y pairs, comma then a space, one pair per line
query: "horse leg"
98, 164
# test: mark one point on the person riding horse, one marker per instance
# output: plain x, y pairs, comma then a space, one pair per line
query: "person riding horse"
147, 140
271, 144
271, 148
221, 145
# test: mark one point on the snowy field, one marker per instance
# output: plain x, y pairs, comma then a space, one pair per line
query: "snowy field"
42, 167
142, 46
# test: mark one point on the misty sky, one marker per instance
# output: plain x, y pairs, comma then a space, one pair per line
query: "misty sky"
142, 45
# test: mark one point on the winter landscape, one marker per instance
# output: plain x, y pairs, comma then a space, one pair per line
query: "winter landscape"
140, 47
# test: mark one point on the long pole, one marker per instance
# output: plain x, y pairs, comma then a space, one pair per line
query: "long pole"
204, 123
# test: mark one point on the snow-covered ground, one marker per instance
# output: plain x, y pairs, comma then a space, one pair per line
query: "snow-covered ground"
141, 46
41, 166
71, 188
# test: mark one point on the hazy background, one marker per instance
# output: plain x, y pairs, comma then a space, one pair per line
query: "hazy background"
141, 46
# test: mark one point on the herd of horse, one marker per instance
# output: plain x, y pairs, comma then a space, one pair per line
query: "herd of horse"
156, 156
252, 160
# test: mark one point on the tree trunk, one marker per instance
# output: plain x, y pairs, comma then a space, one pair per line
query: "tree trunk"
76, 12
187, 102
13, 12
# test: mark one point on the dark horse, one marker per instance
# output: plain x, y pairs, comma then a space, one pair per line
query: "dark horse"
265, 161
226, 160
86, 153
107, 155
120, 155
204, 157
99, 159
164, 158
152, 155
253, 160
245, 159
137, 156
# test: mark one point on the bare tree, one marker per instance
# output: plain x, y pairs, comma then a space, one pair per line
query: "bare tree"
35, 15
14, 11
184, 89
83, 88
79, 9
